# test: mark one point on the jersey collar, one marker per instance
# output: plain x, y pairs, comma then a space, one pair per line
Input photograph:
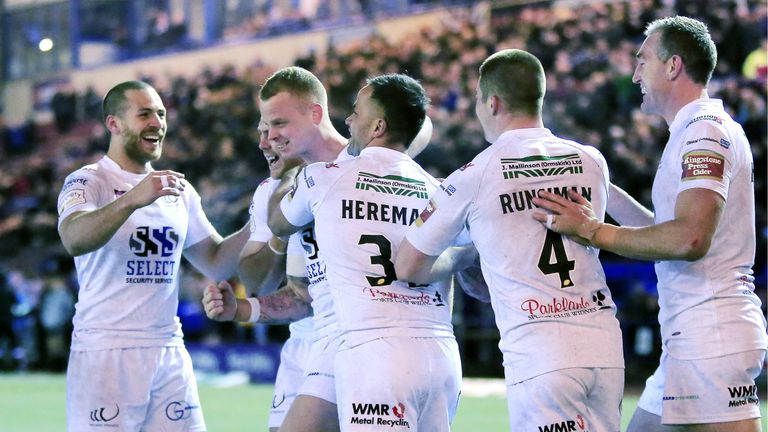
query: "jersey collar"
685, 113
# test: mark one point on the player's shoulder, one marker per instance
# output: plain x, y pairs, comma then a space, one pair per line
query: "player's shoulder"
84, 176
711, 127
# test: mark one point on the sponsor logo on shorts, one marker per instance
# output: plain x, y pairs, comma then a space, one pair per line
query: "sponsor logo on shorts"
570, 425
703, 164
743, 395
541, 166
680, 398
380, 414
275, 402
102, 415
179, 410
562, 307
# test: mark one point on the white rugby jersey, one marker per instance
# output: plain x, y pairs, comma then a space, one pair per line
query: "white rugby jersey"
128, 293
552, 305
260, 232
361, 208
708, 307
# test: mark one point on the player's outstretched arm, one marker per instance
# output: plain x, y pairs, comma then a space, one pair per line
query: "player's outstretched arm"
220, 303
286, 305
625, 209
276, 220
86, 231
686, 237
261, 267
290, 303
217, 257
412, 265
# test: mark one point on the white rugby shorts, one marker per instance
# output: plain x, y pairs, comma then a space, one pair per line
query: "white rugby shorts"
714, 390
290, 375
133, 389
398, 384
319, 377
568, 399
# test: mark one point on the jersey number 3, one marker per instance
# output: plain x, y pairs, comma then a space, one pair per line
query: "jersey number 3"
384, 259
553, 244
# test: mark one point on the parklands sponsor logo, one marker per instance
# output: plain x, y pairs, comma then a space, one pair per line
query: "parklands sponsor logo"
560, 307
152, 244
541, 166
418, 298
179, 410
101, 416
380, 415
392, 185
743, 395
565, 426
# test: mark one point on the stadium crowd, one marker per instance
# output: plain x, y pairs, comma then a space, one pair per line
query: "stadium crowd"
587, 51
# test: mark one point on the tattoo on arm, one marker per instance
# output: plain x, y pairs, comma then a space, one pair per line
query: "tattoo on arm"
284, 306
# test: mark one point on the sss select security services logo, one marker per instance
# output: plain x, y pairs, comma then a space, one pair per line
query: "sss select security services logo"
153, 247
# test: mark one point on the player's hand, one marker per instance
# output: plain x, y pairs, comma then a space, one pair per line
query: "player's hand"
155, 185
573, 217
219, 302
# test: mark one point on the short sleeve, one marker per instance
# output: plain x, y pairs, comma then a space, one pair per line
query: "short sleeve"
443, 221
258, 212
297, 204
705, 158
81, 192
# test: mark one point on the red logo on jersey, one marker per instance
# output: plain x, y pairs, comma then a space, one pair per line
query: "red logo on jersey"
703, 164
331, 165
466, 166
426, 213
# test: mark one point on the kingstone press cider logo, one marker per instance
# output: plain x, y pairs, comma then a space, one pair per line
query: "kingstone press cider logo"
392, 185
541, 166
152, 245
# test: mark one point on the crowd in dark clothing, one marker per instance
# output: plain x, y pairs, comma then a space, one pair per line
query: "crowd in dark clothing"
587, 52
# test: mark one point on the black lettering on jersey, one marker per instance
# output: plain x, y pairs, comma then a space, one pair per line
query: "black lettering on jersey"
523, 200
365, 210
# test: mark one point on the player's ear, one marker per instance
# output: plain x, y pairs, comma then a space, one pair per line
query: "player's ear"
113, 123
317, 113
494, 103
379, 128
674, 67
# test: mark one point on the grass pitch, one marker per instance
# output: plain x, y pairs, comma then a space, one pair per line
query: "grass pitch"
35, 403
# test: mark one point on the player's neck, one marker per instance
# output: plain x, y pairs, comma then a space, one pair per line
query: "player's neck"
127, 164
330, 145
682, 97
512, 122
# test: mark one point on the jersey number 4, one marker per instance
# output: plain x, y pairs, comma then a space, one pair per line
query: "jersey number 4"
553, 245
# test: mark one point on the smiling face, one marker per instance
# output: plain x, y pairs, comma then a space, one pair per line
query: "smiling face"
274, 161
292, 124
650, 74
362, 122
141, 126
